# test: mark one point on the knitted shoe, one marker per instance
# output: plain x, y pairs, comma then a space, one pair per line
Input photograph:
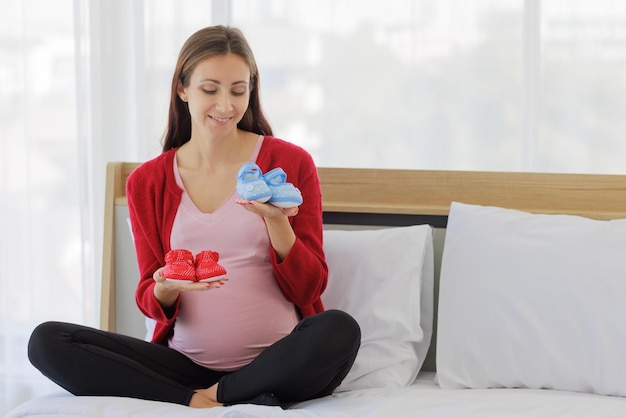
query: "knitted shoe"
207, 267
250, 183
284, 195
179, 266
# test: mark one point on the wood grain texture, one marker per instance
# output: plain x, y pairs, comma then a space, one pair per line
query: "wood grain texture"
424, 192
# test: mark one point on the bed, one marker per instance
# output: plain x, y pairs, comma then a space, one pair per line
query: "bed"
479, 294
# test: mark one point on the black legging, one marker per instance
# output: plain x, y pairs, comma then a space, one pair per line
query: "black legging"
308, 363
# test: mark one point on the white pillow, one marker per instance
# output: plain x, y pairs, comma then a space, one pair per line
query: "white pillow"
384, 279
529, 300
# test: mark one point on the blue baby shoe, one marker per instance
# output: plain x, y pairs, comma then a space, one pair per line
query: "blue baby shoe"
284, 195
251, 185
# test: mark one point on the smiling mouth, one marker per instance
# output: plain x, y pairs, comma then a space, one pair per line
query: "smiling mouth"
220, 120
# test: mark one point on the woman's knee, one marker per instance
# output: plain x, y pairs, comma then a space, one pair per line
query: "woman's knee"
344, 323
43, 340
341, 333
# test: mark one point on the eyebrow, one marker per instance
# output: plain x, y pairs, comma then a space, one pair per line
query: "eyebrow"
218, 82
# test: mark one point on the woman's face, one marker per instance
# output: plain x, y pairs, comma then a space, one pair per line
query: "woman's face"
218, 94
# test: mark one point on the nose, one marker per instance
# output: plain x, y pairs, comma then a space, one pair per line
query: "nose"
223, 102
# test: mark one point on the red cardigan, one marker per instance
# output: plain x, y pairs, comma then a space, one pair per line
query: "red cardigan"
153, 199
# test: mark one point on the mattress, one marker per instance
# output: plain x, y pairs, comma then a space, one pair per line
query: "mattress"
422, 399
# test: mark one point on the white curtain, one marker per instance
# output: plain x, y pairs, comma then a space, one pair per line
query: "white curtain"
45, 240
516, 85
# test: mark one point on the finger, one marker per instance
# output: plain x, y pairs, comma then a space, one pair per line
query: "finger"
291, 211
243, 202
221, 282
216, 283
158, 276
193, 286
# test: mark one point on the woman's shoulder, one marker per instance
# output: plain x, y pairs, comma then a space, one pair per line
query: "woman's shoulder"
151, 171
276, 149
292, 158
273, 142
154, 168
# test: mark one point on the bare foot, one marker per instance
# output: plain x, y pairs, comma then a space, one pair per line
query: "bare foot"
205, 398
201, 401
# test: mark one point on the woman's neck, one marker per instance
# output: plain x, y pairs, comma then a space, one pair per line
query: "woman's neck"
217, 152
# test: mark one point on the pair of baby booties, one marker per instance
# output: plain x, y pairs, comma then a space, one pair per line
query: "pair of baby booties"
271, 187
252, 184
180, 265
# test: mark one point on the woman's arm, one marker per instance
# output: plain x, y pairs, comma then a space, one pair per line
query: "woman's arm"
302, 272
142, 201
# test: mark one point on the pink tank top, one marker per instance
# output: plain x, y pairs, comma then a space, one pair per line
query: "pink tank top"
226, 328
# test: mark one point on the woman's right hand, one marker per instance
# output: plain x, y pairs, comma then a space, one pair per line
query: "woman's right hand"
185, 284
166, 291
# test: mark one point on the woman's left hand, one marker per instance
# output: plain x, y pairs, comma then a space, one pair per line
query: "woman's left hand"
267, 210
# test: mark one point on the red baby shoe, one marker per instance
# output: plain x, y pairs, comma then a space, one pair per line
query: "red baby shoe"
179, 266
207, 267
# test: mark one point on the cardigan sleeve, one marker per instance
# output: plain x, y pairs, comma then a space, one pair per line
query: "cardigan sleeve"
145, 193
302, 276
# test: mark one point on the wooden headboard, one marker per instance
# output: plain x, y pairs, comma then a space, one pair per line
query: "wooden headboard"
382, 197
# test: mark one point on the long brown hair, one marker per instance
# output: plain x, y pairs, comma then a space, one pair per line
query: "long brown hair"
206, 43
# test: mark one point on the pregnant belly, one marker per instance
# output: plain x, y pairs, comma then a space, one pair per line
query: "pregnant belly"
225, 329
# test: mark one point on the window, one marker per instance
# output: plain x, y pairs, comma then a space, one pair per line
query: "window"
504, 85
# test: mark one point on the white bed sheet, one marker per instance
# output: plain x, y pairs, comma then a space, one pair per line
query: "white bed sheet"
423, 399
